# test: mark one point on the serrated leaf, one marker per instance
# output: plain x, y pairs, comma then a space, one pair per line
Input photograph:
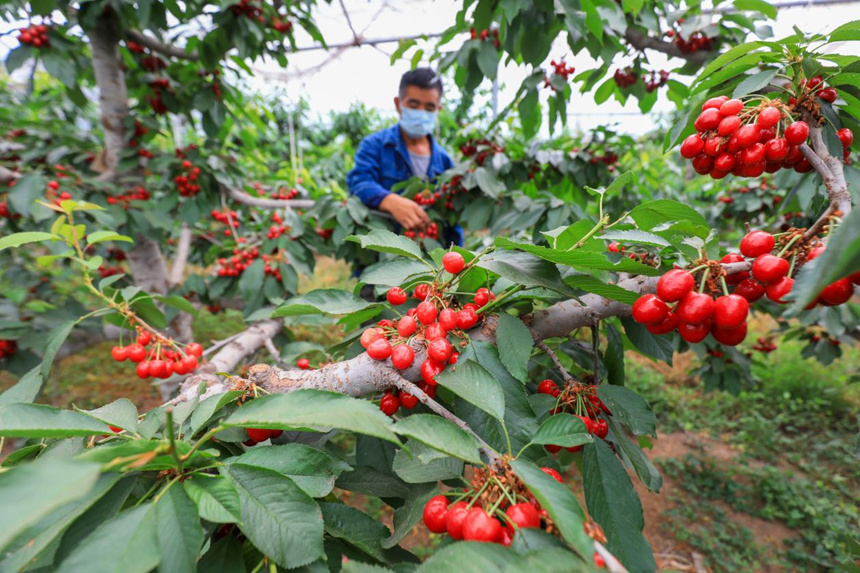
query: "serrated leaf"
473, 383
411, 468
525, 269
101, 236
594, 285
392, 273
515, 344
440, 434
178, 530
656, 346
121, 413
25, 390
635, 456
564, 430
385, 241
311, 469
630, 409
329, 302
579, 259
216, 499
635, 237
755, 82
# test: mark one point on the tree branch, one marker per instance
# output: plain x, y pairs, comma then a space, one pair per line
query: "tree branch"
832, 173
148, 266
245, 198
640, 40
555, 360
183, 248
157, 45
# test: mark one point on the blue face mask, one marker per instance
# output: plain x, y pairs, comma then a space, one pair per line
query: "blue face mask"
417, 122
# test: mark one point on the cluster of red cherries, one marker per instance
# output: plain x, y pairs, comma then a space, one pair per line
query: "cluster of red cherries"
625, 78
139, 193
51, 193
247, 9
491, 511
7, 348
696, 42
109, 270
764, 345
229, 218
282, 26
582, 401
655, 80
484, 35
35, 35
158, 357
432, 232
560, 69
481, 149
155, 102
185, 182
153, 63
284, 195
235, 265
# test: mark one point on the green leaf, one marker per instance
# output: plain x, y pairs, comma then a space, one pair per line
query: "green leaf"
216, 499
467, 557
25, 390
392, 273
612, 502
579, 259
361, 531
225, 556
559, 502
121, 413
251, 281
311, 469
473, 383
757, 6
124, 543
635, 456
488, 182
656, 346
324, 301
179, 533
515, 345
22, 420
210, 406
385, 241
613, 356
840, 259
653, 213
422, 464
525, 269
100, 236
305, 409
488, 59
178, 302
594, 285
754, 82
55, 340
563, 430
635, 237
18, 239
631, 409
280, 519
32, 491
410, 513
440, 434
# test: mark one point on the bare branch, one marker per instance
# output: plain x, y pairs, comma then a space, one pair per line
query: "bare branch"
245, 198
148, 266
555, 360
157, 45
832, 172
183, 248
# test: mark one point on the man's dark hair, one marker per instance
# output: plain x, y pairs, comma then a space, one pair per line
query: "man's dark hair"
424, 78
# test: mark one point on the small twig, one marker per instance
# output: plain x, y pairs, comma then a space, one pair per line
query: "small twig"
612, 564
819, 225
407, 386
157, 45
242, 197
565, 375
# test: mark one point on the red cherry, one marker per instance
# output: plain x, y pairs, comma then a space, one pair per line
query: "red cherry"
454, 356
665, 326
732, 107
692, 146
143, 370
453, 262
189, 363
396, 296
448, 319
157, 368
429, 370
750, 289
483, 296
776, 149
421, 291
389, 404
552, 448
734, 278
427, 312
748, 135
702, 164
439, 350
435, 511
837, 293
694, 333
767, 134
714, 147
797, 133
275, 434
814, 82
674, 285
370, 335
523, 515
779, 288
730, 336
547, 387
402, 356
434, 331
257, 434
695, 308
846, 136
714, 102
408, 401
379, 349
194, 349
769, 268
724, 162
506, 537
478, 526
552, 473
303, 363
828, 94
709, 119
729, 125
454, 519
730, 311
119, 353
753, 155
855, 278
769, 117
407, 326
115, 430
466, 319
649, 309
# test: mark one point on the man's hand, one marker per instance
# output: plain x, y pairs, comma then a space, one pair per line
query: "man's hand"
406, 212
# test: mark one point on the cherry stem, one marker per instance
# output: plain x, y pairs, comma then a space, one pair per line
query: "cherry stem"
793, 262
789, 244
499, 299
724, 285
704, 280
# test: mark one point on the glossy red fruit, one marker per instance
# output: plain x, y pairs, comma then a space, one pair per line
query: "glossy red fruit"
767, 134
453, 358
402, 356
453, 262
729, 125
257, 434
734, 278
434, 514
407, 326
748, 135
753, 170
466, 319
757, 243
702, 164
552, 473
793, 156
434, 331
396, 296
429, 370
275, 434
753, 155
143, 370
115, 430
483, 296
389, 404
665, 326
837, 293
694, 333
157, 368
724, 163
454, 519
814, 82
144, 338
600, 428
779, 288
769, 268
548, 387
695, 308
776, 149
715, 102
855, 278
552, 448
136, 352
750, 289
189, 363
194, 349
709, 119
369, 335
478, 526
769, 117
448, 319
379, 349
523, 515
439, 350
506, 537
427, 312
119, 353
797, 133
828, 94
729, 336
732, 107
846, 136
692, 146
649, 309
730, 311
408, 401
303, 363
674, 285
421, 291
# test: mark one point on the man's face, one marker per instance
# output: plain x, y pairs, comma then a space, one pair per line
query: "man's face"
418, 98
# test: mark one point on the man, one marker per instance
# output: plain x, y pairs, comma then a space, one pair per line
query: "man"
403, 151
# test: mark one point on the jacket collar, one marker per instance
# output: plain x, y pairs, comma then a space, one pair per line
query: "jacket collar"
393, 138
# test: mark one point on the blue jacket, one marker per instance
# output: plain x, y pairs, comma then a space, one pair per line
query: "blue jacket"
382, 161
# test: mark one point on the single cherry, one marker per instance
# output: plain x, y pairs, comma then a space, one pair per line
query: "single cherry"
756, 243
379, 349
649, 309
674, 285
453, 262
434, 514
454, 519
402, 356
389, 404
695, 308
478, 526
777, 289
769, 268
396, 296
731, 311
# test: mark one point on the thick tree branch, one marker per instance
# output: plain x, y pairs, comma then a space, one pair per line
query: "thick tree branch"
832, 173
148, 266
640, 40
157, 45
183, 248
245, 198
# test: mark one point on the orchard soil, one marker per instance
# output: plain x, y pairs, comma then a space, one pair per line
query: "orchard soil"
733, 440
